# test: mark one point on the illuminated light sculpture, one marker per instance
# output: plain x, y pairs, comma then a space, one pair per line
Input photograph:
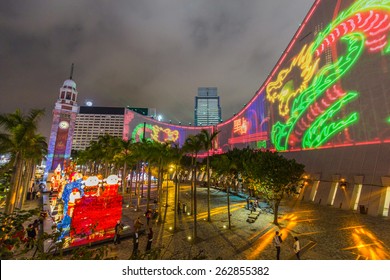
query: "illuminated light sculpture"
89, 214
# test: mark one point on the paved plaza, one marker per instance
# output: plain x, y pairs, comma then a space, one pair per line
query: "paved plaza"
325, 232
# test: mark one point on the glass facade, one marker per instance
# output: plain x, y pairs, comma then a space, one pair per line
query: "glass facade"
207, 107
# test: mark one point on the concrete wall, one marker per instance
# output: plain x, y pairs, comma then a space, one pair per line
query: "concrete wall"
363, 169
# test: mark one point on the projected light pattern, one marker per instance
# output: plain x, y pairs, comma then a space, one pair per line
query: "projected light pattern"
329, 88
315, 110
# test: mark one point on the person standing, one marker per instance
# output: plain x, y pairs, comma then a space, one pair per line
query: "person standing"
297, 247
135, 245
118, 232
277, 243
137, 224
150, 239
31, 234
179, 208
148, 215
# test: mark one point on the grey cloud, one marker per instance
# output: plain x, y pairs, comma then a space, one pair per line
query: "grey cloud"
152, 53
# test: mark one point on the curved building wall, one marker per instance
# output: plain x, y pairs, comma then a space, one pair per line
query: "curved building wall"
326, 103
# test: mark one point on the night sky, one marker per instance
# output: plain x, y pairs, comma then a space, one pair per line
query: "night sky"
141, 53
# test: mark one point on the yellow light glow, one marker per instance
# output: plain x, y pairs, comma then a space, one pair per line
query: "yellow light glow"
277, 90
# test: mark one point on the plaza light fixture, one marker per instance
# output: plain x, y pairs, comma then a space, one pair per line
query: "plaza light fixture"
343, 184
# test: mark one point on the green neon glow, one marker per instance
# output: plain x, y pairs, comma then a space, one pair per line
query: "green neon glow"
387, 49
261, 144
323, 128
388, 120
326, 77
140, 127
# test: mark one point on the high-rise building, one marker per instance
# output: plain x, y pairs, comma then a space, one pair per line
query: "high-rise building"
64, 117
207, 107
92, 122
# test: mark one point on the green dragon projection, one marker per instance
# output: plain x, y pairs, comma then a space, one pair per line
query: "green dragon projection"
312, 110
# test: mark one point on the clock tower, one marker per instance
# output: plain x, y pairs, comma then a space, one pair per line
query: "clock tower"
64, 118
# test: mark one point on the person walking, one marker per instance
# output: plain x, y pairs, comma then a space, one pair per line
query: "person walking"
118, 232
297, 247
150, 239
277, 243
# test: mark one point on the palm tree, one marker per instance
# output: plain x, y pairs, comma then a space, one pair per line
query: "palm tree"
207, 141
19, 131
34, 155
193, 144
123, 155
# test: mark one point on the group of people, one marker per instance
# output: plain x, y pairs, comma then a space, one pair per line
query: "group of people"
252, 205
137, 226
277, 241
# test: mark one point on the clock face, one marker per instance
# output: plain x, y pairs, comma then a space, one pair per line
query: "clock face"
64, 125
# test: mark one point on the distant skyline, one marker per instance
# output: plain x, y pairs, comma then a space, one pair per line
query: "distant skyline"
153, 54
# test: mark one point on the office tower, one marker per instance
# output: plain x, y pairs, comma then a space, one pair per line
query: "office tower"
207, 107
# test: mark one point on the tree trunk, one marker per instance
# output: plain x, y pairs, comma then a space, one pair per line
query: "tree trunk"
193, 182
228, 204
137, 178
276, 209
159, 186
176, 200
124, 179
28, 181
131, 188
208, 188
11, 197
149, 187
195, 205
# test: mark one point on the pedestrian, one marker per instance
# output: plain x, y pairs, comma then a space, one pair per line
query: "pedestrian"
31, 234
297, 247
247, 203
179, 207
137, 224
277, 243
148, 215
150, 239
118, 232
36, 225
135, 245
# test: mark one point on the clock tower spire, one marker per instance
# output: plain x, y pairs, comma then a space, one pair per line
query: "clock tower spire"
64, 118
